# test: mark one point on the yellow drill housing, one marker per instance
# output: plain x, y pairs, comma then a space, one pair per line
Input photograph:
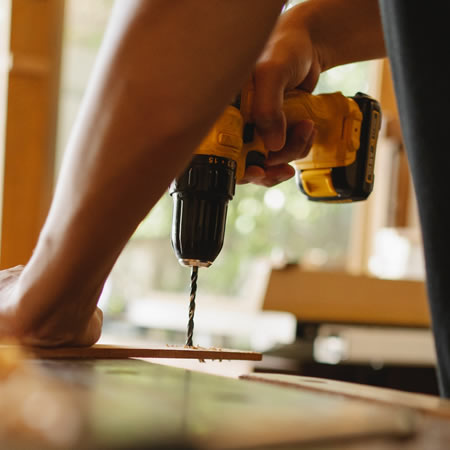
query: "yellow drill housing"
339, 122
338, 168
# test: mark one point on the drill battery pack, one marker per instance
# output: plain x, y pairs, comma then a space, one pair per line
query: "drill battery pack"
346, 182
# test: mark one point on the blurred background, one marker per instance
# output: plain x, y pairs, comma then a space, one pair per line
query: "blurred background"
44, 71
262, 223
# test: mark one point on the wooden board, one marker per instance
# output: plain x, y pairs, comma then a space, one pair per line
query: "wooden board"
118, 404
338, 297
33, 88
429, 404
103, 351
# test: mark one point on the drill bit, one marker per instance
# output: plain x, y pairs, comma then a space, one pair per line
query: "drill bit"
190, 327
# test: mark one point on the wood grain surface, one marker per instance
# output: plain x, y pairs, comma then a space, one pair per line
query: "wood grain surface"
429, 404
432, 418
103, 351
132, 404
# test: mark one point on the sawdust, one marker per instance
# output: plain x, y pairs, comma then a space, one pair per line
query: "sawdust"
198, 347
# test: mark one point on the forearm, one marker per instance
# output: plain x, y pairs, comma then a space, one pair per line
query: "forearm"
342, 31
166, 70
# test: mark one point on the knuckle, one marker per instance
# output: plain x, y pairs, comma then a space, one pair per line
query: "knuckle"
269, 67
100, 315
269, 182
266, 116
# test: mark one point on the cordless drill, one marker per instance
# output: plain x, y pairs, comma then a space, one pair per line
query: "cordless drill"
338, 168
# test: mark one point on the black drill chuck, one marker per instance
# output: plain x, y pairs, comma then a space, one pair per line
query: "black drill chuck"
201, 195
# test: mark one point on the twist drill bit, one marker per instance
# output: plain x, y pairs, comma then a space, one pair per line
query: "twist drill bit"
190, 327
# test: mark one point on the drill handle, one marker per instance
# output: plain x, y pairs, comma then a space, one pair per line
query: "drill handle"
337, 120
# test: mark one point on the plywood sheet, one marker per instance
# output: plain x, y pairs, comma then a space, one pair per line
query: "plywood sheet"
103, 351
112, 404
425, 403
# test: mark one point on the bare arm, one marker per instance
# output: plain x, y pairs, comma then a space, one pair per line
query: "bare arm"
165, 72
343, 31
309, 38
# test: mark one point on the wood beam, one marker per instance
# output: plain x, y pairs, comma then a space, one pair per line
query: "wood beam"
33, 87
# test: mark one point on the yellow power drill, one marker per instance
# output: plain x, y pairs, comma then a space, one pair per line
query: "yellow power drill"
338, 168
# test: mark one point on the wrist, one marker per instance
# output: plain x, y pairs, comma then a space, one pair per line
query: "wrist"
306, 20
342, 32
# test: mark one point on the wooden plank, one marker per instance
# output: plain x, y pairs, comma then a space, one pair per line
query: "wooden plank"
103, 351
388, 102
402, 196
429, 404
337, 297
111, 404
33, 85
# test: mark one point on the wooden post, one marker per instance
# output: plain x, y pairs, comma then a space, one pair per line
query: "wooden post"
391, 204
33, 87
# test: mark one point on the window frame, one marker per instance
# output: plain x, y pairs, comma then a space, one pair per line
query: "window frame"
36, 31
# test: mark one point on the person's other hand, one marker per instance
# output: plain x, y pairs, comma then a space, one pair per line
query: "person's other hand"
48, 333
51, 335
289, 61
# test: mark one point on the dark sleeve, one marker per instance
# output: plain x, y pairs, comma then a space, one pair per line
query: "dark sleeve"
417, 42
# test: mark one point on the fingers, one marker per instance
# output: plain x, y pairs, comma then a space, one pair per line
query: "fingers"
280, 69
268, 177
8, 281
252, 175
277, 174
277, 169
288, 61
10, 274
271, 81
299, 142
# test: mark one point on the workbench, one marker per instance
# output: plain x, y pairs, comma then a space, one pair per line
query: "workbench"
137, 404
